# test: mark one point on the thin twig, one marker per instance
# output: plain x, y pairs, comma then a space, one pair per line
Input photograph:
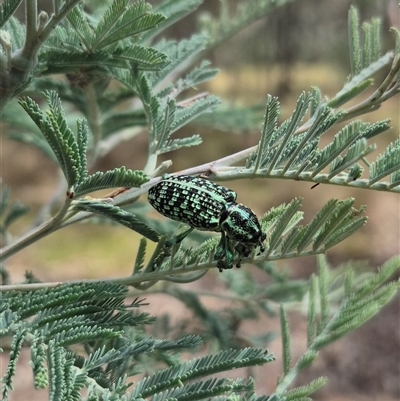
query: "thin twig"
36, 234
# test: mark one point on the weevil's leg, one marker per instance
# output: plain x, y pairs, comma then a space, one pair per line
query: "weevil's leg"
220, 265
224, 250
239, 248
242, 250
261, 243
228, 255
178, 238
220, 249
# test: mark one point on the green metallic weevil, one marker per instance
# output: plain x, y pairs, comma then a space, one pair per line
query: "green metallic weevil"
209, 207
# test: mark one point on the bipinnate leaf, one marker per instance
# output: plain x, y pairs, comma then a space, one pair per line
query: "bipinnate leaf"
286, 341
80, 24
123, 20
119, 177
179, 53
200, 367
70, 154
336, 221
7, 9
119, 215
387, 163
113, 43
15, 351
303, 391
140, 256
146, 57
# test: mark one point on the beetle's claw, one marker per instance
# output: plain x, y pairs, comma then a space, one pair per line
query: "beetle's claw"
221, 266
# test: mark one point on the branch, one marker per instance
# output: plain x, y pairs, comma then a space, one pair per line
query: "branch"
36, 234
25, 59
388, 88
141, 278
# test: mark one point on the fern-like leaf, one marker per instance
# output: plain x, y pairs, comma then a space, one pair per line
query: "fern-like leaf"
323, 289
61, 60
43, 124
145, 57
84, 335
284, 153
110, 18
139, 262
355, 41
165, 125
282, 225
167, 119
7, 9
175, 144
308, 234
207, 389
268, 131
188, 112
38, 358
100, 357
199, 367
312, 312
360, 82
285, 239
119, 177
269, 156
362, 303
82, 144
342, 140
31, 303
286, 343
69, 151
15, 351
65, 384
197, 76
386, 163
355, 153
341, 215
78, 21
233, 119
119, 215
72, 154
180, 53
122, 21
299, 393
56, 360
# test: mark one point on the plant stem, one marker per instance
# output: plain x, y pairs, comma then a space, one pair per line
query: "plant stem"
36, 234
25, 60
28, 51
154, 276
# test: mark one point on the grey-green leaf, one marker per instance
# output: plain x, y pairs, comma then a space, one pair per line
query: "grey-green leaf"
119, 215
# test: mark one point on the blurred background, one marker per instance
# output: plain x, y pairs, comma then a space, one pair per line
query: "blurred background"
297, 46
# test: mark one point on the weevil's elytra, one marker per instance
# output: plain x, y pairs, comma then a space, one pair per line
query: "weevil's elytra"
207, 206
191, 200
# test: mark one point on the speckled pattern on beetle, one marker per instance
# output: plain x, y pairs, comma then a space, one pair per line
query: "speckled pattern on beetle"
207, 206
